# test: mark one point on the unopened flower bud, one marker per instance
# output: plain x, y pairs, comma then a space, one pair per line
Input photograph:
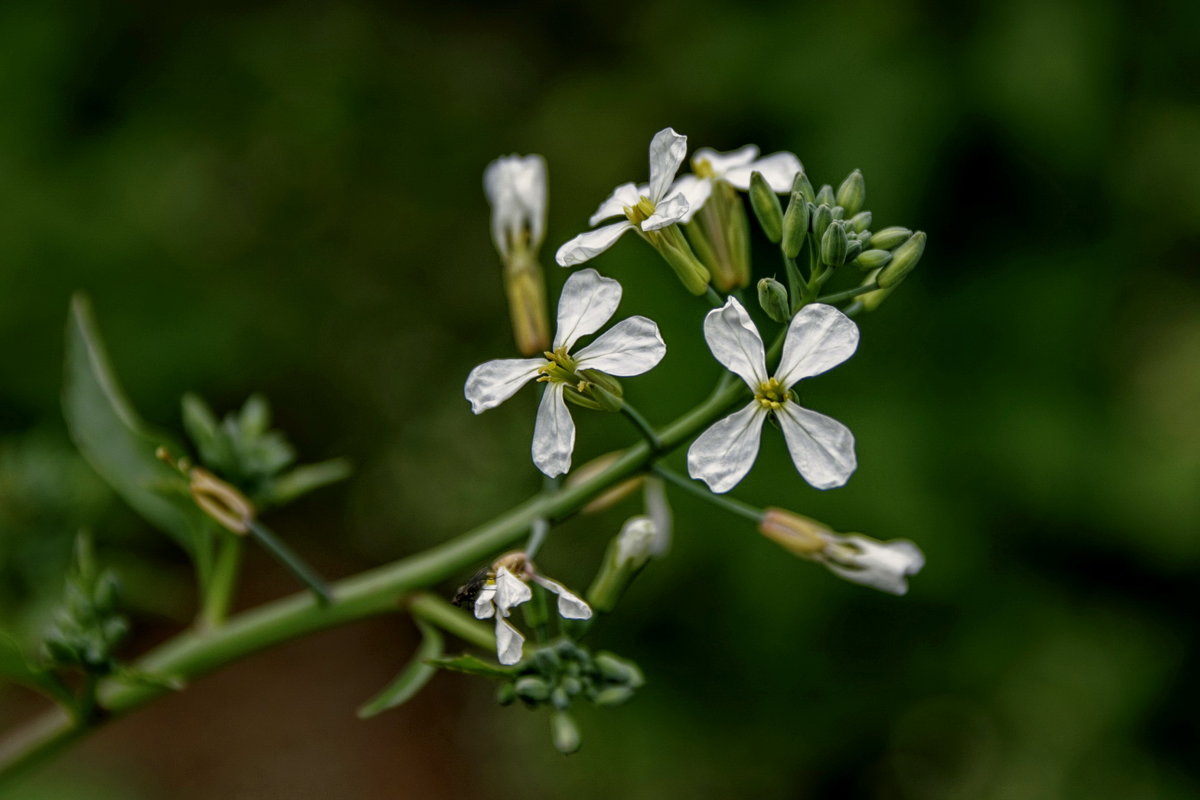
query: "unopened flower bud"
805, 188
526, 289
618, 670
825, 197
872, 259
853, 248
766, 207
773, 298
627, 553
904, 258
822, 216
532, 689
613, 696
861, 221
889, 238
872, 300
795, 219
852, 193
565, 733
675, 250
834, 245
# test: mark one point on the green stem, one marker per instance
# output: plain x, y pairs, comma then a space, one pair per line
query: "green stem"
643, 426
218, 592
437, 611
714, 298
193, 653
730, 504
849, 294
286, 556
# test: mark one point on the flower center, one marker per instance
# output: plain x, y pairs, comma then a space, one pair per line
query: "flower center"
640, 212
772, 394
703, 168
559, 368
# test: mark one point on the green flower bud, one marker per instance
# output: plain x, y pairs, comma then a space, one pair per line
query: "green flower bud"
572, 685
834, 245
532, 689
627, 554
853, 248
560, 699
889, 238
904, 258
873, 259
618, 670
861, 221
852, 193
565, 733
613, 696
872, 300
675, 250
839, 212
766, 207
825, 197
821, 217
506, 694
795, 219
773, 298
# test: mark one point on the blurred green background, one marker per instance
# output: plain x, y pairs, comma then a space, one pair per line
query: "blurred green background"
287, 199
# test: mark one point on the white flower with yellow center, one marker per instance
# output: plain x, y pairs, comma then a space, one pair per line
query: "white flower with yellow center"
709, 167
819, 338
507, 589
630, 347
649, 207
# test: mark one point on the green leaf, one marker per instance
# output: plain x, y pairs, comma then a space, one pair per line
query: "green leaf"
473, 666
302, 480
115, 441
413, 678
16, 668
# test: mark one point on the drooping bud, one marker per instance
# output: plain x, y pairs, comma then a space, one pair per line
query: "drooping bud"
795, 219
773, 298
889, 238
822, 216
852, 193
861, 221
834, 245
873, 259
766, 207
904, 258
565, 733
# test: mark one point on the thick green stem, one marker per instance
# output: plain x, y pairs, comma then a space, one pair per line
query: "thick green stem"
730, 504
437, 611
194, 653
218, 592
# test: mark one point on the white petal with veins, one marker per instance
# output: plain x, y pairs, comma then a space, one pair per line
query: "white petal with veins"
553, 433
493, 382
821, 447
570, 606
723, 454
630, 347
819, 338
779, 170
588, 300
735, 342
627, 194
667, 151
590, 244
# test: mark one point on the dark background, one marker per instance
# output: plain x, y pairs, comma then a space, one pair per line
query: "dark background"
287, 199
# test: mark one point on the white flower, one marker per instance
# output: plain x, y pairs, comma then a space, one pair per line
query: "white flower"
819, 337
649, 207
880, 565
709, 167
516, 189
507, 590
630, 347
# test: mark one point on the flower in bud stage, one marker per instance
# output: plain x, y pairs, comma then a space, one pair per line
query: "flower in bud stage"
818, 338
796, 217
766, 207
630, 347
506, 588
889, 238
516, 189
627, 553
835, 245
773, 298
653, 209
822, 218
825, 197
852, 193
861, 221
904, 259
852, 556
873, 259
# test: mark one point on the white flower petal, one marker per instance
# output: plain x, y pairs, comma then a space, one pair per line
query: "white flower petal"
553, 433
570, 606
636, 541
735, 342
590, 244
822, 448
819, 338
485, 607
723, 454
880, 565
509, 642
667, 212
516, 189
630, 347
493, 382
511, 591
696, 191
588, 300
627, 194
723, 162
667, 151
779, 169
654, 494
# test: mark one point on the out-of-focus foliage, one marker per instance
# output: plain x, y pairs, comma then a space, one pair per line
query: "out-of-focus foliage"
287, 199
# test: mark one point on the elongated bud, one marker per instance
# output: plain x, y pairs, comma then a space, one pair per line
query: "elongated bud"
773, 298
795, 219
904, 258
526, 289
802, 185
799, 535
861, 221
852, 193
872, 300
627, 554
825, 197
822, 217
565, 733
834, 245
675, 250
766, 207
889, 238
873, 259
532, 688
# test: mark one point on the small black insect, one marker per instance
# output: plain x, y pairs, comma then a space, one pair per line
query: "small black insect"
467, 593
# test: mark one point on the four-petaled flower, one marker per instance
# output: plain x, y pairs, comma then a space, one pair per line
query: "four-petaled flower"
507, 589
516, 188
649, 207
709, 167
819, 337
630, 347
881, 565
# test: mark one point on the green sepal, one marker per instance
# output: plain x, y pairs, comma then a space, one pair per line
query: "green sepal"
413, 678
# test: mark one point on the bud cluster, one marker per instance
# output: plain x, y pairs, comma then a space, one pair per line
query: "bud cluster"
87, 627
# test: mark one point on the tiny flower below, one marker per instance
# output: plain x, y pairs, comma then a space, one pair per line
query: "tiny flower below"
630, 347
818, 338
709, 167
648, 207
507, 588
